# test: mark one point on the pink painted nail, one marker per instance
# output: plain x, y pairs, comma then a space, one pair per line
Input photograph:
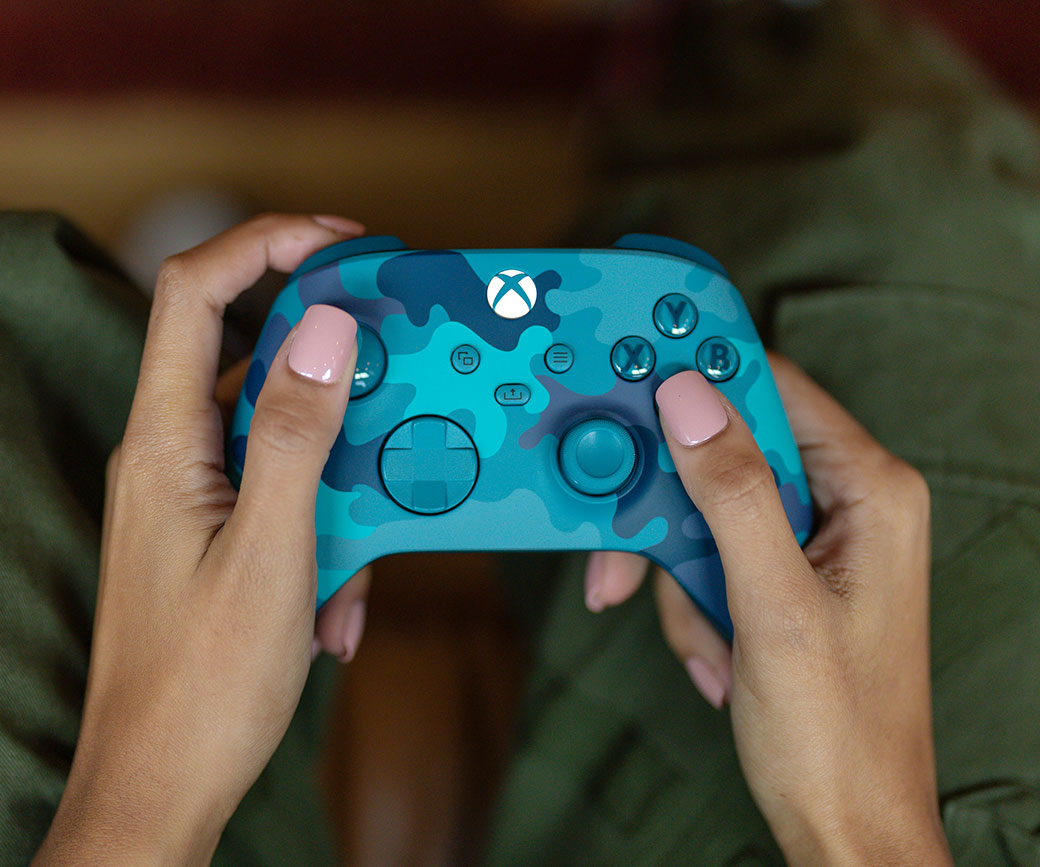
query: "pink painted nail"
322, 344
594, 582
708, 681
355, 626
691, 408
339, 224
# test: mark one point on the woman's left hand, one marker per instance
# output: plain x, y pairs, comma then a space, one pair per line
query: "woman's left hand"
205, 614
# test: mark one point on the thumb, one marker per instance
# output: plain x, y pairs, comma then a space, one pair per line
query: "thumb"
299, 413
729, 480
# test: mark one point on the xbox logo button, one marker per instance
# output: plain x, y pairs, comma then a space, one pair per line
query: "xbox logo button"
511, 294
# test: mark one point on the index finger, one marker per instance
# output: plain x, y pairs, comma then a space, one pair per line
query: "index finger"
182, 348
841, 458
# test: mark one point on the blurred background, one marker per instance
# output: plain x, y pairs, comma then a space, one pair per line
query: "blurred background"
435, 120
445, 122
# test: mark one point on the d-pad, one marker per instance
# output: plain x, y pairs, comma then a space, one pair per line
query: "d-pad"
428, 464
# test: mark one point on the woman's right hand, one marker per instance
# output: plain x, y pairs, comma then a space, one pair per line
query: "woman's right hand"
828, 677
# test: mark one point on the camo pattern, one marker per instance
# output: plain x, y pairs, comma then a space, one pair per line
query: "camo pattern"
424, 304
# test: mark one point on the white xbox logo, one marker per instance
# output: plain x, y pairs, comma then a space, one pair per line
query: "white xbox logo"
512, 294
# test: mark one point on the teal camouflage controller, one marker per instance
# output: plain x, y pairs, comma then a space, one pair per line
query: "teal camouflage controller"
504, 400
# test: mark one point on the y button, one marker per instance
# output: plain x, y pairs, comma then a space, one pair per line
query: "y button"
675, 315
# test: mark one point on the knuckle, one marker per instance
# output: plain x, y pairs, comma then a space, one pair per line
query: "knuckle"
171, 275
887, 484
911, 501
268, 221
738, 483
178, 280
285, 428
913, 485
903, 489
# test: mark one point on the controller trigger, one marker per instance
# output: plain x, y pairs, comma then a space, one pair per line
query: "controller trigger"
671, 247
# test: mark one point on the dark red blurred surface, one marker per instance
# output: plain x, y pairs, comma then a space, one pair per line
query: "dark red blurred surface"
271, 47
378, 47
1004, 35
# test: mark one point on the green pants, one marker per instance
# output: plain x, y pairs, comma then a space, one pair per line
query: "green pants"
879, 207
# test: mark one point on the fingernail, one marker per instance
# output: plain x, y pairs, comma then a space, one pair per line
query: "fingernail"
322, 343
594, 582
339, 224
691, 408
708, 681
315, 648
355, 626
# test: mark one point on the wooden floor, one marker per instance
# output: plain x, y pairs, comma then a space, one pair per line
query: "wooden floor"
423, 723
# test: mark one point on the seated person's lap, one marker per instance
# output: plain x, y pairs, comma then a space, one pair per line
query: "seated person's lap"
877, 218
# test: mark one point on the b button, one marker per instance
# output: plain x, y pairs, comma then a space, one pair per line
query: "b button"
717, 359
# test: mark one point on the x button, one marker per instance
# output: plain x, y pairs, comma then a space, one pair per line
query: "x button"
632, 358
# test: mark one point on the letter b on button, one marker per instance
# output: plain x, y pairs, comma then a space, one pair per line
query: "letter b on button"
717, 359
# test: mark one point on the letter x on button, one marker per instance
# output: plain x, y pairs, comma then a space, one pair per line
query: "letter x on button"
632, 358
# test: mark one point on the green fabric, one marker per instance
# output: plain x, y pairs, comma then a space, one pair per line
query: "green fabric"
879, 207
71, 330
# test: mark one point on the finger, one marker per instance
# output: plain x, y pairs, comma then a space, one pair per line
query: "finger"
728, 479
341, 621
611, 577
299, 413
872, 502
111, 476
841, 459
174, 398
228, 388
692, 638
